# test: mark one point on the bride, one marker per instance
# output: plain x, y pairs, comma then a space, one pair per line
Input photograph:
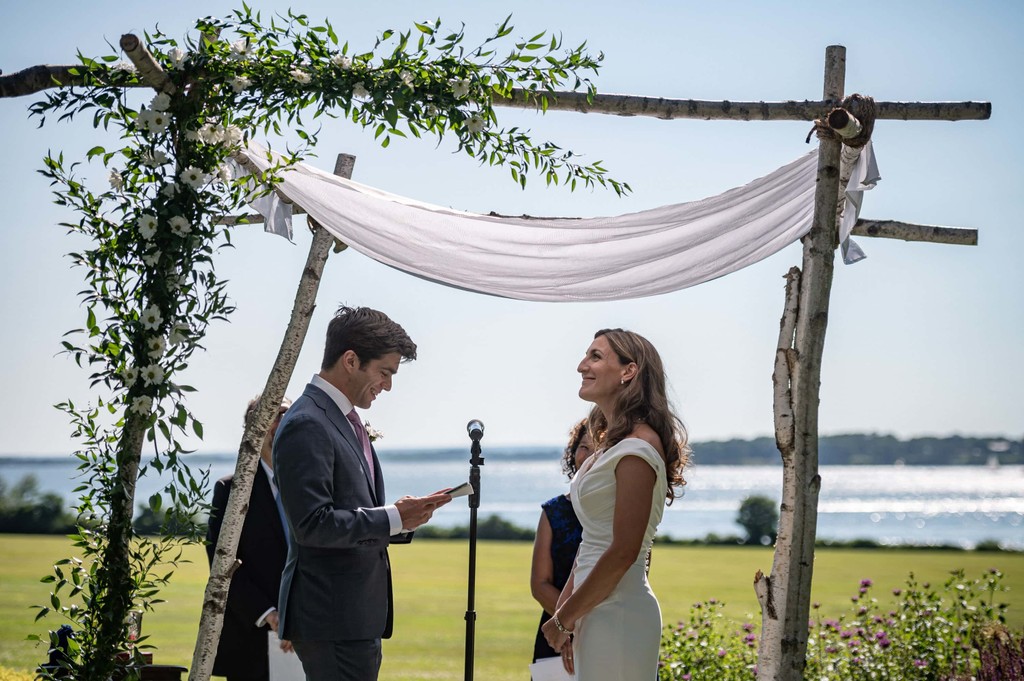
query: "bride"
607, 622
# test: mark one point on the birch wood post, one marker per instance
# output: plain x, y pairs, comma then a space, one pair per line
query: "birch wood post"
770, 596
224, 560
791, 591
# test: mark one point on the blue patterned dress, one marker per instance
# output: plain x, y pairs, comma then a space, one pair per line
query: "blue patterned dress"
566, 534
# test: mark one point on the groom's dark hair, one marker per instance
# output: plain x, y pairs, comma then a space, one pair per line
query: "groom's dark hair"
369, 333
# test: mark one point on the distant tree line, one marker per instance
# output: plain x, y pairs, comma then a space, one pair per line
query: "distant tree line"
878, 450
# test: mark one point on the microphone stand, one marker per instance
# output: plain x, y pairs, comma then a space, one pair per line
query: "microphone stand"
475, 462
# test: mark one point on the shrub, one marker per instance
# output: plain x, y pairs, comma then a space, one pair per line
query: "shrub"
24, 509
759, 516
705, 648
955, 632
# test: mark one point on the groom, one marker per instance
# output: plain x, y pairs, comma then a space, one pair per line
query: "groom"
336, 602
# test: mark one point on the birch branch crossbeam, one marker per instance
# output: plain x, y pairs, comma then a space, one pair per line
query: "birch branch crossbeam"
39, 78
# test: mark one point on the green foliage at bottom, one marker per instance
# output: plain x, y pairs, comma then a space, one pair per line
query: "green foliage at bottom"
927, 634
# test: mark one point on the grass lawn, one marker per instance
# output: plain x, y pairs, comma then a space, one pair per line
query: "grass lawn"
431, 594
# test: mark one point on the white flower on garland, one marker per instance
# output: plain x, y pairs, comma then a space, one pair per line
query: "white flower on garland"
210, 133
343, 62
116, 181
175, 283
225, 174
161, 102
192, 135
129, 375
152, 259
142, 405
460, 88
180, 225
240, 83
193, 177
178, 334
300, 76
407, 78
153, 375
231, 135
147, 226
169, 190
475, 124
240, 49
432, 110
123, 66
156, 346
359, 91
151, 318
177, 57
154, 158
153, 121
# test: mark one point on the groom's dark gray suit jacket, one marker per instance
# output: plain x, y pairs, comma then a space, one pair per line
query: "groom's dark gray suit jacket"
336, 584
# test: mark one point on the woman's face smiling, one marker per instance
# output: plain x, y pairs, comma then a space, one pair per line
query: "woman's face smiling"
601, 371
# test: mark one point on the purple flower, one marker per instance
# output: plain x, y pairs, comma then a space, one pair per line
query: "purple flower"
865, 583
750, 639
845, 633
712, 601
815, 605
748, 626
920, 663
721, 652
862, 610
897, 592
686, 677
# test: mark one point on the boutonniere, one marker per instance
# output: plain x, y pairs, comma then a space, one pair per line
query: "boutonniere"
372, 433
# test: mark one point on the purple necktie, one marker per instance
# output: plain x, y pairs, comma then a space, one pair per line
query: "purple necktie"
360, 430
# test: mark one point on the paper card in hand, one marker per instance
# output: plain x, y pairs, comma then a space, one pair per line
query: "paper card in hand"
465, 489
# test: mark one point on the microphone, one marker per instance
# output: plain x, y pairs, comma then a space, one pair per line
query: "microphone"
475, 429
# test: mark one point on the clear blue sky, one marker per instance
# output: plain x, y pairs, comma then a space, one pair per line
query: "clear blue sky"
922, 339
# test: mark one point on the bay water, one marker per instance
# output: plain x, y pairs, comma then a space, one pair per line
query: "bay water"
924, 505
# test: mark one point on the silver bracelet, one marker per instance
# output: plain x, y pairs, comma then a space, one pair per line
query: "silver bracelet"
558, 625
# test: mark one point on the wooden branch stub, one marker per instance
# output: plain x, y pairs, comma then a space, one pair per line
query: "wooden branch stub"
894, 229
844, 123
150, 71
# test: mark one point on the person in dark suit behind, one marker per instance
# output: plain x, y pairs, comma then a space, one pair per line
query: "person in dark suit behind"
252, 599
336, 599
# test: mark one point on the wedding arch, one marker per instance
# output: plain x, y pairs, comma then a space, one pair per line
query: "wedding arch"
174, 188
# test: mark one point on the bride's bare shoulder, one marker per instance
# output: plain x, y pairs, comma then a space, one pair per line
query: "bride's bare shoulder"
642, 431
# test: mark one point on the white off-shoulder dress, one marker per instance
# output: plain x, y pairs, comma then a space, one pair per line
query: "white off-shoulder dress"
619, 639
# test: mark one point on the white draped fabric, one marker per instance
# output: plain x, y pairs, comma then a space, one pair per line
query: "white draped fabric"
588, 259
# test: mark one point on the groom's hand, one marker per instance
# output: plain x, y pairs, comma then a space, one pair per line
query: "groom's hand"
416, 511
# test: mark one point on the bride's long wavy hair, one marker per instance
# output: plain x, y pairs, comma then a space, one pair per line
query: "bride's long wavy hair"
644, 398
